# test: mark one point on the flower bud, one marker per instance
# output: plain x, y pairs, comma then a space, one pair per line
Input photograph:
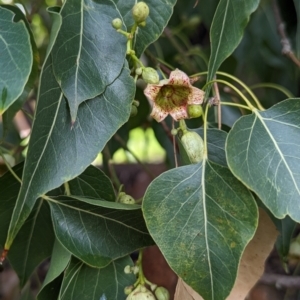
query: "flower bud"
142, 24
174, 131
135, 270
128, 289
117, 23
133, 111
136, 103
141, 293
294, 250
126, 199
127, 270
150, 75
138, 71
194, 110
193, 145
140, 12
162, 294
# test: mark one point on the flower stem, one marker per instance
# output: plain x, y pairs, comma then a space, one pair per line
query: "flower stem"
236, 105
9, 167
251, 107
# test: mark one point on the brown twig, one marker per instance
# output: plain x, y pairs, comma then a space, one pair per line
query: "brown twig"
286, 45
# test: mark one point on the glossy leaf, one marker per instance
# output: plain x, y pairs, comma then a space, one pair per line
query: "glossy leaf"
85, 59
98, 235
201, 217
59, 260
17, 105
57, 152
33, 243
286, 228
84, 282
263, 151
160, 13
92, 183
230, 20
15, 60
35, 238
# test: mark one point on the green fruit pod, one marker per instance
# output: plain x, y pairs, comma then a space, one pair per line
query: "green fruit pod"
140, 12
193, 145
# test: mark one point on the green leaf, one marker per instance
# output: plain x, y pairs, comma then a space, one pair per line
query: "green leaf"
201, 217
35, 238
98, 235
88, 53
92, 183
58, 152
9, 188
215, 146
59, 260
230, 20
263, 151
286, 227
15, 60
84, 282
159, 16
17, 105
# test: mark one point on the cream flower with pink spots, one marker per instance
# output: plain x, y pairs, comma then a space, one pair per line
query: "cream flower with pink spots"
172, 96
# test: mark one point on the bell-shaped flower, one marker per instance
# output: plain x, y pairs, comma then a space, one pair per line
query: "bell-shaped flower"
172, 96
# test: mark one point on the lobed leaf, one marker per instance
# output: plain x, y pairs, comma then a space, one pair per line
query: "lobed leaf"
201, 217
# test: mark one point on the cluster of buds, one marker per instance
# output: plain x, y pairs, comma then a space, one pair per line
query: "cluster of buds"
142, 293
148, 74
138, 291
140, 12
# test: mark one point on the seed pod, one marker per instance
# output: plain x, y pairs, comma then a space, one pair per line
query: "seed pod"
150, 75
193, 145
117, 23
162, 294
140, 12
194, 110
